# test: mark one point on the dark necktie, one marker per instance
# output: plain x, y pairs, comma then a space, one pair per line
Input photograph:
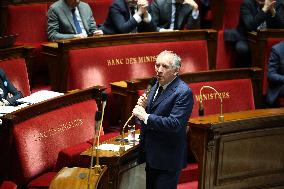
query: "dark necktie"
160, 90
178, 6
76, 23
132, 11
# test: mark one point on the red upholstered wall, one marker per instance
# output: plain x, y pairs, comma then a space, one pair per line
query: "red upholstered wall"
104, 65
29, 21
38, 140
237, 96
17, 73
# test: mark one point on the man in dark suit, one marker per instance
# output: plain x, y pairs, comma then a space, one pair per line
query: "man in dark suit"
164, 115
70, 19
126, 16
8, 93
275, 74
254, 15
171, 15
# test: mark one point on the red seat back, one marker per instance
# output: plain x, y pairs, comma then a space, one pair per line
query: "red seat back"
225, 56
103, 65
237, 95
38, 140
100, 9
29, 21
231, 13
17, 73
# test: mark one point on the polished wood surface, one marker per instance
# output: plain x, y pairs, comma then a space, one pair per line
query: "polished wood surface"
57, 52
77, 178
117, 162
244, 151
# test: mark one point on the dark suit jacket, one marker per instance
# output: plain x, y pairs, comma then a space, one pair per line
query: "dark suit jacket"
120, 21
163, 139
275, 72
161, 11
60, 24
251, 16
8, 87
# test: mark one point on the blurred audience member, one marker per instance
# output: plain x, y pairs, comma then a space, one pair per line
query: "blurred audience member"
70, 19
8, 93
126, 16
254, 15
169, 15
275, 74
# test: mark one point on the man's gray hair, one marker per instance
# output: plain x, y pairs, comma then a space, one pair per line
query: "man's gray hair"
176, 60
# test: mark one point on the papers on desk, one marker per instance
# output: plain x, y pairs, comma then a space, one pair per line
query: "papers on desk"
112, 147
39, 96
8, 109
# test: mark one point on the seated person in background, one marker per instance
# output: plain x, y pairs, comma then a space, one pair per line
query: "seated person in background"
254, 15
70, 19
275, 74
169, 15
127, 16
8, 93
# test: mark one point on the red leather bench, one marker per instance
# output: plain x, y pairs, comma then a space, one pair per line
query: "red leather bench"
15, 63
38, 133
29, 21
100, 9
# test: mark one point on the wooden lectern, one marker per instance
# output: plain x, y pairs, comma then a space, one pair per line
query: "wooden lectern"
244, 151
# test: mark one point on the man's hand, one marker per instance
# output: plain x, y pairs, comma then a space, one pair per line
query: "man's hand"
142, 7
192, 3
269, 5
98, 32
140, 112
142, 101
165, 30
80, 35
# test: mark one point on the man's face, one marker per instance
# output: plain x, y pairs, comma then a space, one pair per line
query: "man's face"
165, 72
72, 3
131, 3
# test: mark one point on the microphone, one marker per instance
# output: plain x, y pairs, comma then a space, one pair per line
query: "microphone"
201, 107
104, 100
98, 121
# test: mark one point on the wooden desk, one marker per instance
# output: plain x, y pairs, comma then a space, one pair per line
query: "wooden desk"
117, 162
245, 151
77, 178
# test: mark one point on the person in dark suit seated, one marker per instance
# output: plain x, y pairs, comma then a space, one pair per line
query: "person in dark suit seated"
254, 15
8, 93
275, 74
164, 114
126, 16
169, 15
70, 19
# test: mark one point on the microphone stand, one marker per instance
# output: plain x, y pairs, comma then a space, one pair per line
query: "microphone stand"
122, 147
201, 109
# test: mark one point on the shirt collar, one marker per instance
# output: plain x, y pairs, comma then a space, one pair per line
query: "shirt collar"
166, 85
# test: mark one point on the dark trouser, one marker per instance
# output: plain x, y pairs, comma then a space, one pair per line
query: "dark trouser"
161, 179
243, 54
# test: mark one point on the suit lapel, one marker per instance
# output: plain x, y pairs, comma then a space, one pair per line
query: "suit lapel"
66, 10
165, 94
83, 16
